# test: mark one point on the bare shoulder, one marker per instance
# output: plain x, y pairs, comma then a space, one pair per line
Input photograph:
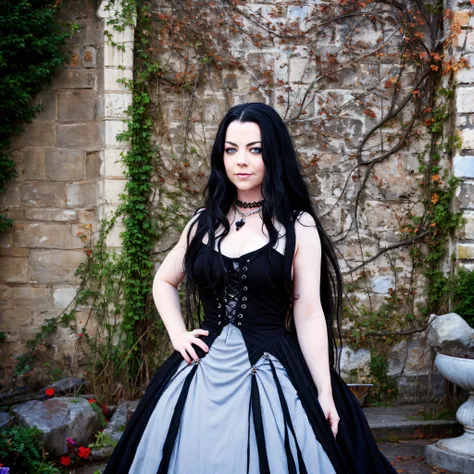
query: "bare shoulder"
304, 219
306, 232
191, 221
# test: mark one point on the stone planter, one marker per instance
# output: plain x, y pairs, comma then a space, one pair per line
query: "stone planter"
456, 454
360, 390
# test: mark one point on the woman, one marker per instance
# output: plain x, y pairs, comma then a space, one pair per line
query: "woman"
254, 388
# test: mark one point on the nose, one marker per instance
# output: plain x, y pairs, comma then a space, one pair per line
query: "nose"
242, 158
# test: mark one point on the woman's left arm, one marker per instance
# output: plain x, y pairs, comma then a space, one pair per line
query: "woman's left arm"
308, 313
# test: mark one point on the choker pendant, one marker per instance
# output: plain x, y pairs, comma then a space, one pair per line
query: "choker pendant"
241, 222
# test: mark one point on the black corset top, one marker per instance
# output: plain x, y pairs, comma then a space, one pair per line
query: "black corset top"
247, 291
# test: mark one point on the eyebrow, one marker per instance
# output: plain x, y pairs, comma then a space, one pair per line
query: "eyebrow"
248, 144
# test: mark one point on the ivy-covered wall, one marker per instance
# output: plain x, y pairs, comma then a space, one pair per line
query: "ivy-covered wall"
53, 200
369, 91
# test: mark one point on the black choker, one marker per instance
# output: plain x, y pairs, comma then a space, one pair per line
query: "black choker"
249, 204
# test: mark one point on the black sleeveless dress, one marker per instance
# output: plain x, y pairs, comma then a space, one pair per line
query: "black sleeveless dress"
248, 406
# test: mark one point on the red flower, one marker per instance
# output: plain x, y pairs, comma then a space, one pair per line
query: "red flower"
49, 392
92, 400
83, 452
65, 460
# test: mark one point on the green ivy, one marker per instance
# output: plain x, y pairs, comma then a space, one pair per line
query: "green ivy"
30, 53
140, 234
385, 386
21, 448
463, 295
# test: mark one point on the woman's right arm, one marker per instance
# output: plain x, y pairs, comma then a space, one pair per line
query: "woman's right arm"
165, 294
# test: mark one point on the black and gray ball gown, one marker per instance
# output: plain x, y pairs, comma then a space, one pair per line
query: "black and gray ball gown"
249, 405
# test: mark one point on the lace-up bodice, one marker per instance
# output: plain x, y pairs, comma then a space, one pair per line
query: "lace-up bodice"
248, 291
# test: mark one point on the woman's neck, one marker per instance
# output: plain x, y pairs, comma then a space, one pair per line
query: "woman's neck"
249, 196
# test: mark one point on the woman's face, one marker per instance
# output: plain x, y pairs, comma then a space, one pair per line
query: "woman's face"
243, 158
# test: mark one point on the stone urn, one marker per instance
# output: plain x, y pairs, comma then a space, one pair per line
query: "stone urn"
360, 391
456, 454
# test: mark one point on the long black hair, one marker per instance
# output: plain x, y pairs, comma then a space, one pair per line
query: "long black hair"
285, 194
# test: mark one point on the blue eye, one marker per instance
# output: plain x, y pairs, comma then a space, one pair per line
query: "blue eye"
228, 150
259, 150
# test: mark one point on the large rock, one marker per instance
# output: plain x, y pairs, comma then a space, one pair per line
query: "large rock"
5, 419
59, 418
450, 331
119, 420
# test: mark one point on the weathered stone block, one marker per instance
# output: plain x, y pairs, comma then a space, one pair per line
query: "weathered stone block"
15, 214
6, 300
77, 105
462, 120
37, 134
109, 77
467, 230
34, 162
465, 75
302, 70
32, 297
355, 361
465, 251
60, 215
113, 237
6, 239
43, 194
38, 318
114, 57
55, 266
86, 323
13, 252
14, 270
113, 105
119, 37
65, 165
460, 17
463, 166
112, 164
110, 190
79, 135
86, 215
109, 131
92, 167
11, 197
87, 32
89, 57
74, 79
48, 101
382, 284
465, 99
45, 235
464, 40
465, 195
62, 297
16, 319
81, 194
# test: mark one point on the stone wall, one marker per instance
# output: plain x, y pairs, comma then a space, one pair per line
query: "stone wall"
70, 175
54, 196
463, 162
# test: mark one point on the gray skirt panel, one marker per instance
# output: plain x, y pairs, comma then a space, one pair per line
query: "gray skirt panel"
216, 427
